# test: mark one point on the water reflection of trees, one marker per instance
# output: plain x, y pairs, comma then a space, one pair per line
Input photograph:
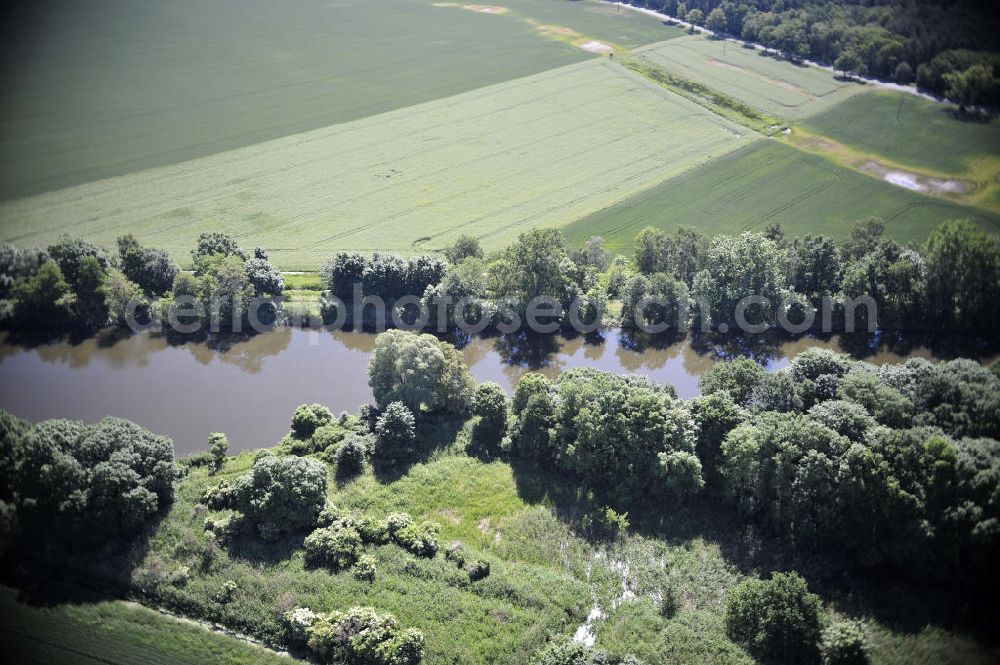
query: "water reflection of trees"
529, 350
638, 350
246, 351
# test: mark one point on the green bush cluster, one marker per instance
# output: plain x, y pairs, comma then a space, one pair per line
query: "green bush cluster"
75, 484
336, 547
279, 495
359, 635
776, 619
627, 436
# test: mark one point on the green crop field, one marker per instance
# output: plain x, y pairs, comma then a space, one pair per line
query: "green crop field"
776, 87
768, 182
542, 150
101, 88
912, 132
114, 633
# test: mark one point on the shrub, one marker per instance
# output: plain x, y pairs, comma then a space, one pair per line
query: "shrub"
421, 540
845, 643
478, 570
334, 547
282, 494
570, 652
220, 497
223, 527
395, 434
395, 522
490, 405
226, 592
326, 436
455, 552
365, 569
775, 619
218, 446
374, 531
308, 417
350, 455
361, 635
606, 523
329, 515
297, 623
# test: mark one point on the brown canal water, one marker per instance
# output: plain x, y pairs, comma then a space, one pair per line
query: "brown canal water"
249, 388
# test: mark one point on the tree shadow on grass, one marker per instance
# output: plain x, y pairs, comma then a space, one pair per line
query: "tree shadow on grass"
250, 546
62, 572
435, 432
894, 600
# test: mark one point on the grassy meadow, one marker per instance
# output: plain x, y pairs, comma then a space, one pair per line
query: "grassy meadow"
542, 150
112, 632
545, 576
769, 182
105, 88
777, 87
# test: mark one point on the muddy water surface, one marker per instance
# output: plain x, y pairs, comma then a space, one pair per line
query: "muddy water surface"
249, 389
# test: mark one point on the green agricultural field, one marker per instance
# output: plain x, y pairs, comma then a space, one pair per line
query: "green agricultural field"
103, 88
912, 132
769, 182
544, 150
107, 632
777, 87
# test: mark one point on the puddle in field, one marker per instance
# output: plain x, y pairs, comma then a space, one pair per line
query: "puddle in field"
595, 46
482, 9
586, 633
916, 182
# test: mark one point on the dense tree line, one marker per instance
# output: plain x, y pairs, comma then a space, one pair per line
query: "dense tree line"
949, 49
952, 282
384, 275
891, 467
75, 285
485, 294
627, 436
675, 280
888, 466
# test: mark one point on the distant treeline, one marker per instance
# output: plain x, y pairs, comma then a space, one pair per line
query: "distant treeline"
685, 279
74, 285
949, 49
674, 282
